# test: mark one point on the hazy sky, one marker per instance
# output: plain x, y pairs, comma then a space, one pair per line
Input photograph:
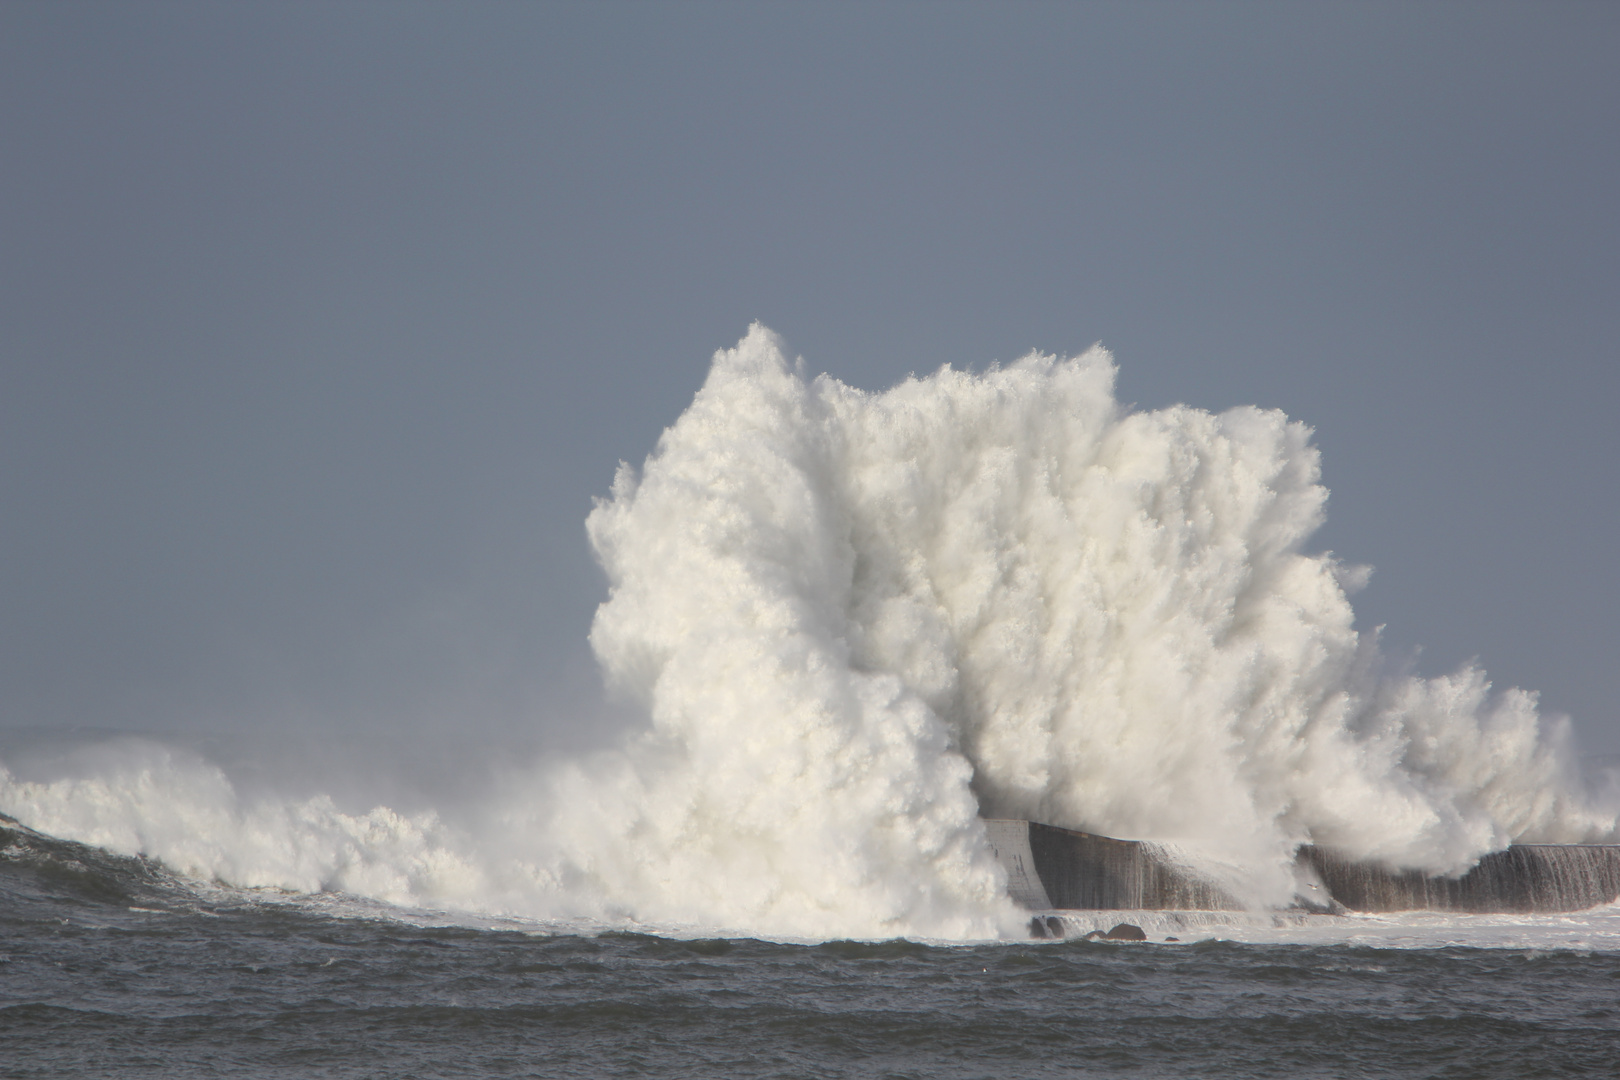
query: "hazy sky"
321, 324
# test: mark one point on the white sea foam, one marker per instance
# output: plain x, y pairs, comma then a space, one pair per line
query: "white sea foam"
858, 620
1597, 930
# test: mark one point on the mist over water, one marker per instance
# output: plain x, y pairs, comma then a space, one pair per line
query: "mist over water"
860, 622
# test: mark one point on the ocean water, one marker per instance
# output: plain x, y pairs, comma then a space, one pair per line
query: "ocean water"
857, 624
110, 967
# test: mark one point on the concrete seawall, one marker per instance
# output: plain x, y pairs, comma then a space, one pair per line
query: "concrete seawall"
1049, 868
1524, 878
1071, 869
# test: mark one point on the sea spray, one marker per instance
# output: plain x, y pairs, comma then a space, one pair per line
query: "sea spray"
137, 796
861, 622
1107, 616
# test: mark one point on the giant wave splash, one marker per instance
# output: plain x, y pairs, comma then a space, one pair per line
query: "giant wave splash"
859, 623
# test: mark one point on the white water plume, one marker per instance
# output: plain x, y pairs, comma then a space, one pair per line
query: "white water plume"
858, 622
850, 609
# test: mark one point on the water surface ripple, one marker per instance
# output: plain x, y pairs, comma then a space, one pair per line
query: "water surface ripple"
268, 990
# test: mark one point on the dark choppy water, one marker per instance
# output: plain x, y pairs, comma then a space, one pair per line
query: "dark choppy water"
110, 968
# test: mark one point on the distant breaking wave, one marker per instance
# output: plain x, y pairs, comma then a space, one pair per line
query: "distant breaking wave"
859, 622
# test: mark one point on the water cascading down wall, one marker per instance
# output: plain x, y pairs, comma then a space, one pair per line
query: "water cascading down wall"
1049, 868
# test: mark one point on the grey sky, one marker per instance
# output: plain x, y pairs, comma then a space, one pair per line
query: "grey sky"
320, 325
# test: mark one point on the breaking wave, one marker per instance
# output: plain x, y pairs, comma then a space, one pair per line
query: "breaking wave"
860, 622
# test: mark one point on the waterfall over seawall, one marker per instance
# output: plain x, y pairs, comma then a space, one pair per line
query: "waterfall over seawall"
1524, 878
1079, 870
1049, 868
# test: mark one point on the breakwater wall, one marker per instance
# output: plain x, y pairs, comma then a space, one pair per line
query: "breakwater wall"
1049, 868
1066, 868
1524, 878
